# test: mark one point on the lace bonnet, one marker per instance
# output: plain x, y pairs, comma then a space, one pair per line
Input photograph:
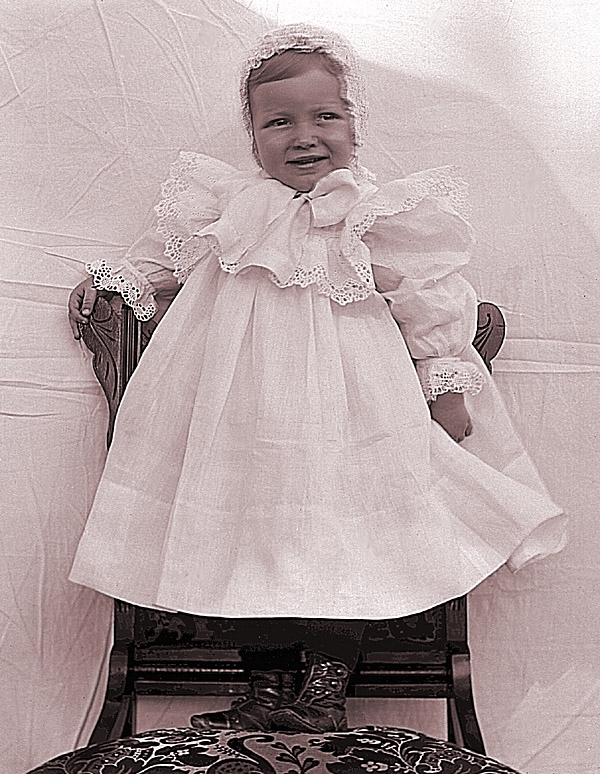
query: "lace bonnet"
309, 39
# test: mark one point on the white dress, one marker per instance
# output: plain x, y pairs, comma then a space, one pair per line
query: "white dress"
274, 453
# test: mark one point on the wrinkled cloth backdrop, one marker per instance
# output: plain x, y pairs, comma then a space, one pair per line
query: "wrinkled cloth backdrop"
97, 97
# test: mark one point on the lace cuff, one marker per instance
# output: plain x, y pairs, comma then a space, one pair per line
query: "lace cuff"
440, 375
141, 302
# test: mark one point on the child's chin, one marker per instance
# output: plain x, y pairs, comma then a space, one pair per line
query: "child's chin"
305, 180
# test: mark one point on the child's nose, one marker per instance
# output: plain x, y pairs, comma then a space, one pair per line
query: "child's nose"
305, 136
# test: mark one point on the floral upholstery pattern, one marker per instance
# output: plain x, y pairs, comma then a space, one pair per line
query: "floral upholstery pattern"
191, 751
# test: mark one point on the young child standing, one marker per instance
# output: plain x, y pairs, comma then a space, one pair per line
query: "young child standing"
274, 455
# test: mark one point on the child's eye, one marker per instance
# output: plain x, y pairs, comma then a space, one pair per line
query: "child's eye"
278, 122
328, 116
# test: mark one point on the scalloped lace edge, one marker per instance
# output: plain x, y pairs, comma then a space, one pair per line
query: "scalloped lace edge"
349, 291
171, 224
104, 279
440, 375
439, 183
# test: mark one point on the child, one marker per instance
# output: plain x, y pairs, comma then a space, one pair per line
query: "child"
274, 455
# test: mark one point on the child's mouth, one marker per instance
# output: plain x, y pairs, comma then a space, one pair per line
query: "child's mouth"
306, 162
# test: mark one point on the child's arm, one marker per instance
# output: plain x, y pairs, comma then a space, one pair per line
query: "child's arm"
150, 275
437, 322
144, 277
416, 258
83, 298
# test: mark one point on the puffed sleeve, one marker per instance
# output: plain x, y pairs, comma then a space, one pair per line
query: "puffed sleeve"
164, 256
418, 243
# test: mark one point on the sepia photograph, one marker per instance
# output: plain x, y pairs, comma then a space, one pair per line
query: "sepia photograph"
300, 358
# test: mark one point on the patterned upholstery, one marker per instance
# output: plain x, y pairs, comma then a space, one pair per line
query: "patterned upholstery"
191, 751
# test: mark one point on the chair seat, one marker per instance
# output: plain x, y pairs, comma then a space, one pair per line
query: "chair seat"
191, 751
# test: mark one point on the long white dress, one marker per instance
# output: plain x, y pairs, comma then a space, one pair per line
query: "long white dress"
274, 453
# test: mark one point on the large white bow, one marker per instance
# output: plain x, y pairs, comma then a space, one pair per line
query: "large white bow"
333, 197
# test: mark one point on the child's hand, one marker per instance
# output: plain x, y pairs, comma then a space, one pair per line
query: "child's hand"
449, 411
81, 304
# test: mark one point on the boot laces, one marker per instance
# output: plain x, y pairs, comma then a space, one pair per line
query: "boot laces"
325, 679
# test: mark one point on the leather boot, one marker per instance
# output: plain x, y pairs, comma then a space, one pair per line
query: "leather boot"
321, 703
268, 691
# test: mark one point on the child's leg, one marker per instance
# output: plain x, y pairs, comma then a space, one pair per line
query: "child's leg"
271, 658
338, 639
321, 702
269, 643
270, 650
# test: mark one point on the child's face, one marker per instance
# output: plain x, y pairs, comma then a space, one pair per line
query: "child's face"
302, 128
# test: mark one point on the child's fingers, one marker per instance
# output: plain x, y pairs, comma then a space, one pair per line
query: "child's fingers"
75, 310
87, 304
75, 328
77, 314
81, 305
464, 433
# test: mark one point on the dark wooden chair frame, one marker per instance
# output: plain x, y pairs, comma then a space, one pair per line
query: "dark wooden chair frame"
407, 667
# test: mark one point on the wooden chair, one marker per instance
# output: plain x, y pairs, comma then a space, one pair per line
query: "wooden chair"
420, 656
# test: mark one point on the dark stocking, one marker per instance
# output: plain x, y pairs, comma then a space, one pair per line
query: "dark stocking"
275, 643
